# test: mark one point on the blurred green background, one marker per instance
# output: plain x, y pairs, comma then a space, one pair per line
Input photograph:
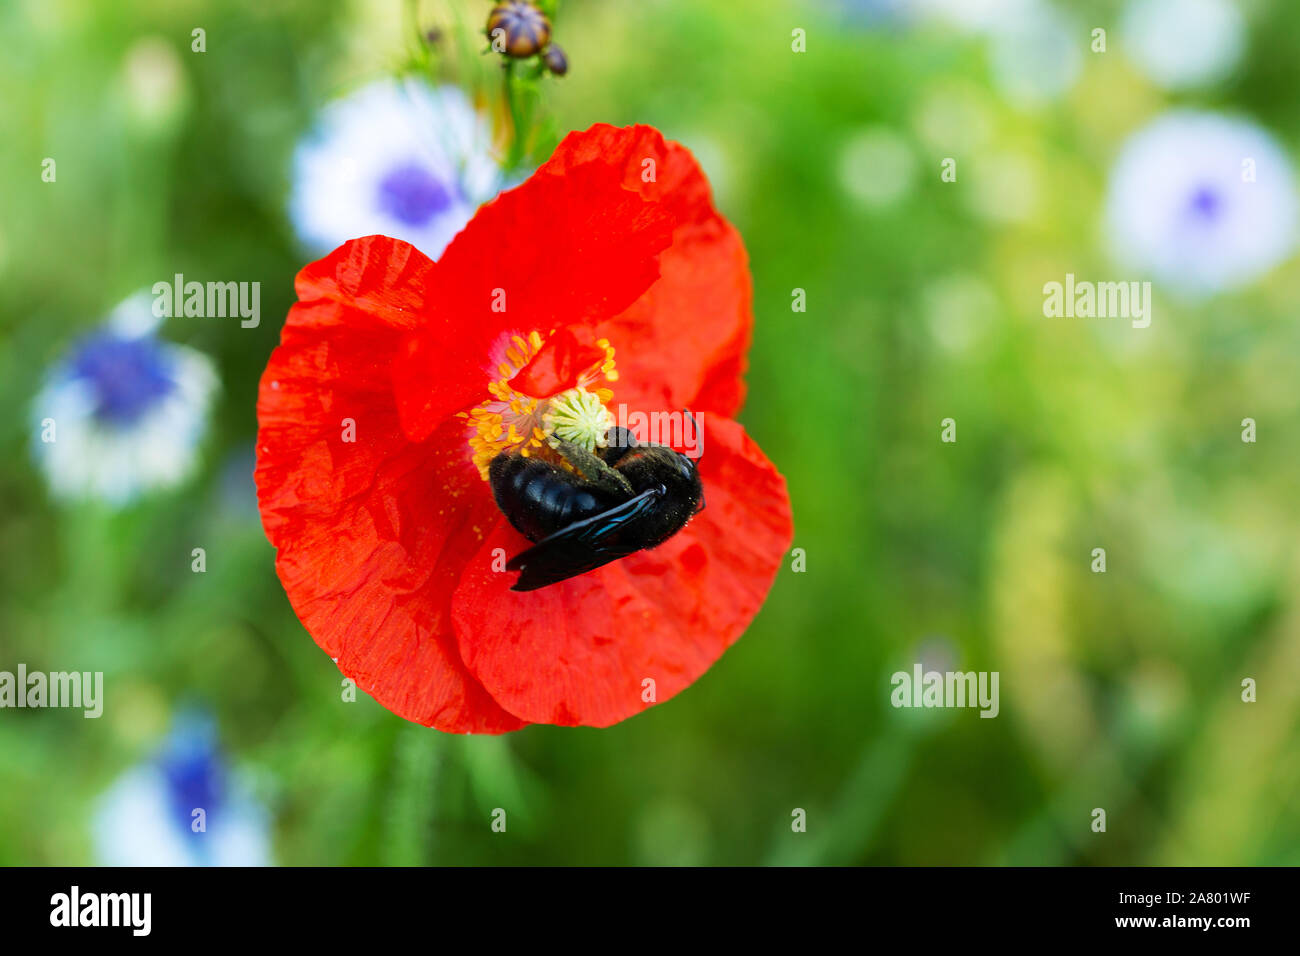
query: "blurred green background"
1118, 690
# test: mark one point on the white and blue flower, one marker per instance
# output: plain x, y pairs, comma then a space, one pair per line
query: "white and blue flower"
1202, 202
124, 412
872, 12
1035, 51
395, 158
976, 16
181, 808
1183, 43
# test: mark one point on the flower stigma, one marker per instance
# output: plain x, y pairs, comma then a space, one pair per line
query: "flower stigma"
578, 416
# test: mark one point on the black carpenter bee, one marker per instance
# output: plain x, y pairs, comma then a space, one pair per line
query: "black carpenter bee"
622, 498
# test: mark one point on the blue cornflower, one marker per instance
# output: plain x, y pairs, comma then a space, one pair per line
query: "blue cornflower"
181, 808
400, 159
123, 412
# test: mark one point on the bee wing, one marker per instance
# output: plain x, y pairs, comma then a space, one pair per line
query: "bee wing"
582, 546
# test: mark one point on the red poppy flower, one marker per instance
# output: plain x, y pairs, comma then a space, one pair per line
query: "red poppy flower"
397, 379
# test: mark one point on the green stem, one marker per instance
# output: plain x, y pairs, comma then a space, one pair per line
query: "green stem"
518, 121
421, 55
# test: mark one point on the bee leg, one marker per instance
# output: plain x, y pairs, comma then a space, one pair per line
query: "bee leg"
594, 470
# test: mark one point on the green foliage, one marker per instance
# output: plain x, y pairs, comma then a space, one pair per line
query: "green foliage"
1119, 690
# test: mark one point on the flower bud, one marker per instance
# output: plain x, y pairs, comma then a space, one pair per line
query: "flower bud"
518, 29
555, 60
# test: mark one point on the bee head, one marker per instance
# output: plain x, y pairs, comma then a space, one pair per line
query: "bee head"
696, 486
679, 475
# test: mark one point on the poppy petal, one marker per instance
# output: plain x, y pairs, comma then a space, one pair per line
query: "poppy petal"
371, 530
572, 245
580, 651
691, 329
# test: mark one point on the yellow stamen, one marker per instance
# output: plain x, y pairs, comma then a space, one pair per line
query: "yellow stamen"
514, 421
